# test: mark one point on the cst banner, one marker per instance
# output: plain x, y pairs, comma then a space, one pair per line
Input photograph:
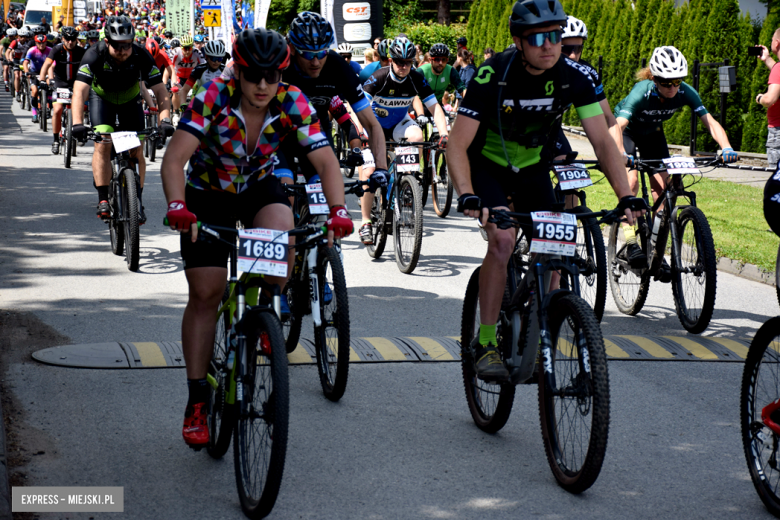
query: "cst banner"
261, 12
356, 22
177, 16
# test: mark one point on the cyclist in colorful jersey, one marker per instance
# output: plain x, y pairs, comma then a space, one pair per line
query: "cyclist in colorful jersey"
64, 59
440, 75
230, 134
185, 59
384, 61
5, 43
214, 53
33, 64
16, 52
109, 77
504, 142
659, 94
393, 89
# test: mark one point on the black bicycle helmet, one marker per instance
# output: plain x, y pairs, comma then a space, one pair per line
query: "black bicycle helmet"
157, 38
262, 48
119, 29
69, 33
310, 32
39, 29
93, 34
168, 34
439, 50
383, 46
527, 14
402, 49
462, 41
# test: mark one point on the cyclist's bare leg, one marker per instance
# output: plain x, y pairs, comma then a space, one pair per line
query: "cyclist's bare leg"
206, 286
56, 118
413, 133
138, 155
368, 198
492, 276
277, 216
17, 79
101, 164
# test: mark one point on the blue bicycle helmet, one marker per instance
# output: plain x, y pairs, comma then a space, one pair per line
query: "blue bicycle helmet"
199, 38
310, 32
402, 49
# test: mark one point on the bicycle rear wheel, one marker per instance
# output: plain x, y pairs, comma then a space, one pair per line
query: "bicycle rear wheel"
130, 212
260, 435
442, 187
152, 142
376, 249
575, 416
591, 260
221, 414
297, 299
43, 112
694, 287
116, 228
629, 287
408, 224
67, 140
490, 404
331, 340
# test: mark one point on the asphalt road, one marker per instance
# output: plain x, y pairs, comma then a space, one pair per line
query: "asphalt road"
401, 443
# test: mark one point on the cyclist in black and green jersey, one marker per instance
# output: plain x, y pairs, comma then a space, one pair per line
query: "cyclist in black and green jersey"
659, 94
501, 149
441, 76
109, 77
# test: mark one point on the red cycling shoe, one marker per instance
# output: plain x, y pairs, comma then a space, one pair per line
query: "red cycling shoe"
195, 430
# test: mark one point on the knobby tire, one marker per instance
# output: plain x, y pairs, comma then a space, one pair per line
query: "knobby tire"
222, 415
332, 339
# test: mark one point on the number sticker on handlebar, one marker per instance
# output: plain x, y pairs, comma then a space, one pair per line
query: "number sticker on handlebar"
318, 205
573, 176
124, 141
680, 165
407, 159
262, 251
63, 96
554, 233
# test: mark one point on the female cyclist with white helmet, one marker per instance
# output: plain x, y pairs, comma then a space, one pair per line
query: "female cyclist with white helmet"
660, 93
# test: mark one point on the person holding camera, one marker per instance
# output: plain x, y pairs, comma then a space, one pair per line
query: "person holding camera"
769, 98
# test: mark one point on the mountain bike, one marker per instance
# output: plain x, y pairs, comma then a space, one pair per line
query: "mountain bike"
67, 142
318, 287
590, 257
692, 271
26, 101
43, 105
550, 337
398, 210
249, 399
125, 218
435, 173
150, 145
760, 413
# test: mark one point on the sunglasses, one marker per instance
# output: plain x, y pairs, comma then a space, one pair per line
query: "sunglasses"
537, 39
121, 46
188, 48
255, 75
72, 39
440, 60
670, 83
402, 63
309, 55
218, 59
571, 49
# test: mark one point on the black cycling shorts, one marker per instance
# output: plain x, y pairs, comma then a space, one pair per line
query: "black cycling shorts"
102, 112
221, 208
651, 146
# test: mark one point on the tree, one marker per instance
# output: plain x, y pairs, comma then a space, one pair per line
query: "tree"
444, 11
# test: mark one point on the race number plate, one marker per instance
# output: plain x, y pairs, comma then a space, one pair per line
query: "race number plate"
554, 233
368, 157
407, 159
124, 141
573, 176
681, 165
63, 96
318, 205
262, 251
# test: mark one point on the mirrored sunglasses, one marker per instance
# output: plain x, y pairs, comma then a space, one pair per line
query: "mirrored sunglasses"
537, 39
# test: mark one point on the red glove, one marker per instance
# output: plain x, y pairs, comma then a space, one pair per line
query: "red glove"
179, 217
152, 109
443, 141
174, 89
340, 222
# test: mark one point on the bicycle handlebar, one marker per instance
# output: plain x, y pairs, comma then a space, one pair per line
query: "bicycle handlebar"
507, 219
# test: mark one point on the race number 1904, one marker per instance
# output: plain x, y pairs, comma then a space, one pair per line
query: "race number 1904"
554, 233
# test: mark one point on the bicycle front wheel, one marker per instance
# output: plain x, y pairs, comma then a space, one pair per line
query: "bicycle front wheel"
332, 338
575, 415
376, 249
260, 435
297, 299
116, 228
694, 286
442, 187
408, 224
629, 286
43, 103
68, 144
221, 414
591, 260
490, 404
130, 211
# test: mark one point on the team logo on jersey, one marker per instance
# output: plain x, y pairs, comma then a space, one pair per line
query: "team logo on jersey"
381, 112
392, 92
549, 88
319, 100
484, 74
537, 105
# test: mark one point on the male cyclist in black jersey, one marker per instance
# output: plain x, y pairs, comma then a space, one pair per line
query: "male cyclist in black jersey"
109, 77
504, 141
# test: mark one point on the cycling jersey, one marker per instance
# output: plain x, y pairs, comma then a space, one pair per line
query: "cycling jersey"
203, 74
646, 112
596, 79
162, 61
369, 70
355, 66
183, 66
36, 58
392, 96
117, 82
221, 162
442, 82
530, 107
66, 62
20, 49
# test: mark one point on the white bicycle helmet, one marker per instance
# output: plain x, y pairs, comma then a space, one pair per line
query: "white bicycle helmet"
214, 48
11, 32
668, 63
345, 48
575, 28
24, 31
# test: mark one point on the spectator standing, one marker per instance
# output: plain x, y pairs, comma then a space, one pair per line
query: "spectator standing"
369, 56
466, 62
489, 53
769, 99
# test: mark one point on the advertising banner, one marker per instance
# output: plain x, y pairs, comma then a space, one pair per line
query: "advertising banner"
178, 16
261, 12
355, 22
227, 24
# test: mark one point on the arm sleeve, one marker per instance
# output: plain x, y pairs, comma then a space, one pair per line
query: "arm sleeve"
585, 100
149, 71
350, 86
85, 69
305, 123
774, 76
424, 90
197, 117
693, 100
195, 76
53, 52
474, 104
629, 104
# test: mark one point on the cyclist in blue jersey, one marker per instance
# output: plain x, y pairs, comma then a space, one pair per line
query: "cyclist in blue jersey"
384, 61
345, 51
33, 64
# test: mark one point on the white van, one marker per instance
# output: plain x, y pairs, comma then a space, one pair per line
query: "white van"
37, 9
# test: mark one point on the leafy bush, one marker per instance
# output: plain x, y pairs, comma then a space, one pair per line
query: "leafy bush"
427, 34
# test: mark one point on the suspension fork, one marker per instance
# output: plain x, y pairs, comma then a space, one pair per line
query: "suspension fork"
545, 340
314, 286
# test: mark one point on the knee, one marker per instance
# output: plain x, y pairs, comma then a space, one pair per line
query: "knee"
501, 244
414, 134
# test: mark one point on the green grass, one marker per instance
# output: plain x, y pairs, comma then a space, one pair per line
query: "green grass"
735, 214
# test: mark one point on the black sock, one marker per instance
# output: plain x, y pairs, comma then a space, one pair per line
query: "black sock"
199, 391
140, 193
56, 138
102, 193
